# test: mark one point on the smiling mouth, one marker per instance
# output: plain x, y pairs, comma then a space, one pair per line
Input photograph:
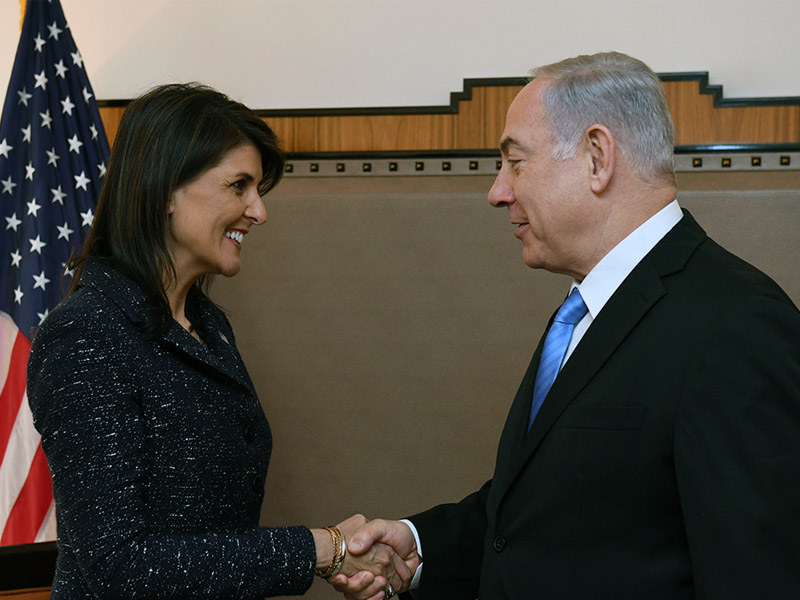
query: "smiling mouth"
235, 236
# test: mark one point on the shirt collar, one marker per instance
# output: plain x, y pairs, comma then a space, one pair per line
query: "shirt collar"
608, 274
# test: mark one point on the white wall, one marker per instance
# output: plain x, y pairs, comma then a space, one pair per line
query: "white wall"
345, 53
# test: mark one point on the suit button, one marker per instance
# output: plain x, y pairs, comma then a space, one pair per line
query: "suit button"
499, 543
249, 434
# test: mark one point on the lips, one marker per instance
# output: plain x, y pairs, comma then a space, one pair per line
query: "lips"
237, 237
521, 229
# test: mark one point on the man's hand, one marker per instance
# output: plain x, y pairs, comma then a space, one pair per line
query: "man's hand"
369, 545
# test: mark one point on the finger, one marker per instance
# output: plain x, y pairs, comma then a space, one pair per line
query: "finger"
380, 530
378, 591
353, 522
403, 572
350, 585
375, 591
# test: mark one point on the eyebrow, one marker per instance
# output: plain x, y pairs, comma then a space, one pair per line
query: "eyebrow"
508, 142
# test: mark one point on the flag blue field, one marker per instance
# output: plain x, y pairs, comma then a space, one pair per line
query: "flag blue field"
53, 155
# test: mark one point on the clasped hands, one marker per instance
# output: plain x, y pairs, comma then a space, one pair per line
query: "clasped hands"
380, 561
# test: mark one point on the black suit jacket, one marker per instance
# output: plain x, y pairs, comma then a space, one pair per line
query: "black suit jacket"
665, 461
158, 449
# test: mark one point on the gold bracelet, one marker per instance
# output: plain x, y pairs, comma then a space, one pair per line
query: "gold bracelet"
339, 550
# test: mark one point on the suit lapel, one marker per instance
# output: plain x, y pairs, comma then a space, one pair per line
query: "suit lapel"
621, 314
219, 355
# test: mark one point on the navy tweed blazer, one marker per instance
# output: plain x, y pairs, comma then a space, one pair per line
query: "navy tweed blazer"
158, 449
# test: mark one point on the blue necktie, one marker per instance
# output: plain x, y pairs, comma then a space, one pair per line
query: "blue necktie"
555, 347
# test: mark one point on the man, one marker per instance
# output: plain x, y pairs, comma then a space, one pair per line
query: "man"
663, 462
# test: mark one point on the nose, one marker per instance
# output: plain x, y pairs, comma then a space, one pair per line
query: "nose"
256, 211
501, 194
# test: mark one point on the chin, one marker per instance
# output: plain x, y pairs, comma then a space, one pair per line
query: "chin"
230, 270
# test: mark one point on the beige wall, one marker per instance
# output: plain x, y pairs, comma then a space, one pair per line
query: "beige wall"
353, 53
387, 322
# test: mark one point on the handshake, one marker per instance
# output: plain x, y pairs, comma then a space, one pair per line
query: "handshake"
371, 559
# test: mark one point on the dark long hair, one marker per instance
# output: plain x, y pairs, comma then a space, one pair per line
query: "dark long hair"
166, 138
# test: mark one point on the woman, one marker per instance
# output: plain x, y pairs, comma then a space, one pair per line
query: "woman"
157, 444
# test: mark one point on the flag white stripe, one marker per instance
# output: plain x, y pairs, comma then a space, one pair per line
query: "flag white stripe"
17, 462
47, 531
8, 335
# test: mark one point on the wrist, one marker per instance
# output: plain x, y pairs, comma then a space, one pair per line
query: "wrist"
331, 550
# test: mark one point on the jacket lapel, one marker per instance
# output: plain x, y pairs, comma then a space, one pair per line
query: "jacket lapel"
624, 310
219, 354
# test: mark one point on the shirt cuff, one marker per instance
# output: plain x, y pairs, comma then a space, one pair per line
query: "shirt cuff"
418, 574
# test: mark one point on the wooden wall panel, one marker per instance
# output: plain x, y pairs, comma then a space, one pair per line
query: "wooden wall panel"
698, 122
476, 123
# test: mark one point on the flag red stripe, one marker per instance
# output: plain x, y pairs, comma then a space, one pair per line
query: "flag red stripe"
32, 504
14, 390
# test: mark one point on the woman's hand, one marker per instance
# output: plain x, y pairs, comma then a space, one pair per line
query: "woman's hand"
371, 568
368, 574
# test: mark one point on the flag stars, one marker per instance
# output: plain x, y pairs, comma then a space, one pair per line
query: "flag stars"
26, 134
77, 59
94, 131
41, 80
37, 244
8, 185
75, 144
5, 148
88, 218
64, 231
46, 119
54, 31
13, 222
68, 272
87, 95
18, 295
29, 171
102, 168
61, 70
24, 96
81, 181
40, 281
16, 257
58, 195
39, 41
67, 106
43, 316
52, 157
33, 208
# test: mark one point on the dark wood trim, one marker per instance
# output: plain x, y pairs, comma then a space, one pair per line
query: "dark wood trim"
719, 99
27, 565
702, 78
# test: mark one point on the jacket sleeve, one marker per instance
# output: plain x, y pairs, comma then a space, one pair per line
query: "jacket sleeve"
452, 539
84, 398
737, 451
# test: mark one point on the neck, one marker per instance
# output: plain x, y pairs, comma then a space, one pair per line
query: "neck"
177, 291
623, 218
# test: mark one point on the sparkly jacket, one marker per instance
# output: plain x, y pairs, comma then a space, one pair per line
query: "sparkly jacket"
159, 452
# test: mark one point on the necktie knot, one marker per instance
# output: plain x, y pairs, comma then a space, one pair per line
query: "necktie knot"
573, 309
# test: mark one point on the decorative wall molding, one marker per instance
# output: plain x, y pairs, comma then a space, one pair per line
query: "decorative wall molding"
705, 121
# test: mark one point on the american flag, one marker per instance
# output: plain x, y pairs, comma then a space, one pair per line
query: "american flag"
53, 154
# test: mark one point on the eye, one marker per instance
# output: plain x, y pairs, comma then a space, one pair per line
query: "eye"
239, 185
514, 163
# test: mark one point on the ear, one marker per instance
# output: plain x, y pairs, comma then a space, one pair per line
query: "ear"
602, 149
171, 203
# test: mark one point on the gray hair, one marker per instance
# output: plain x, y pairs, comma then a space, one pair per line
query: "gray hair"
619, 92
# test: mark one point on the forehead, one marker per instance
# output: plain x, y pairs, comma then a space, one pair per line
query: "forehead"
524, 120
